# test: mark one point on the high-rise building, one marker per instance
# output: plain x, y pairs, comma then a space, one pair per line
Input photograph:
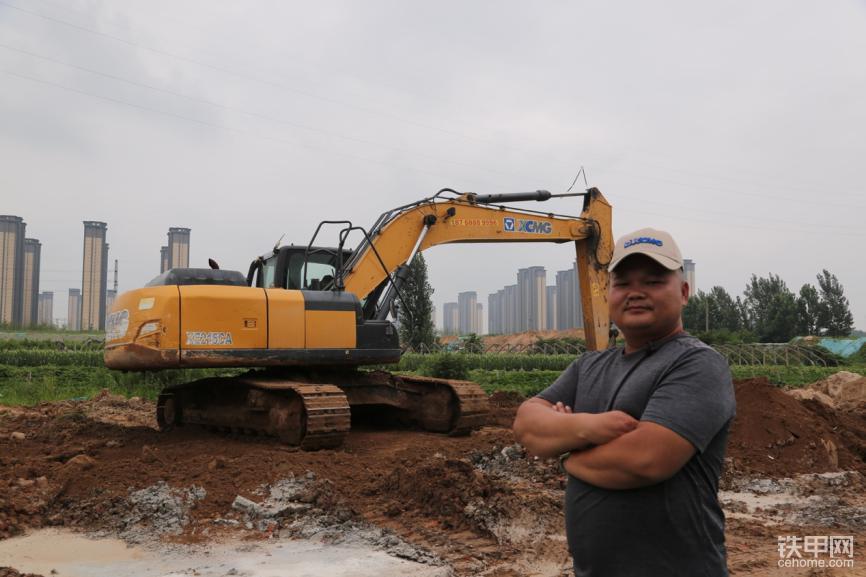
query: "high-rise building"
12, 269
467, 312
496, 312
512, 311
551, 309
163, 259
569, 311
450, 318
479, 318
689, 271
566, 285
94, 281
73, 314
46, 309
178, 247
32, 255
532, 298
499, 313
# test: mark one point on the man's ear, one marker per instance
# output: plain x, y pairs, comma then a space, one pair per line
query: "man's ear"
686, 291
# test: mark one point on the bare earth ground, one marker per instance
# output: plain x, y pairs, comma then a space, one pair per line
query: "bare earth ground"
477, 504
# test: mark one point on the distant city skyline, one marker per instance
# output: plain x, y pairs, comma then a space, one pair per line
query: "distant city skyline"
24, 304
529, 305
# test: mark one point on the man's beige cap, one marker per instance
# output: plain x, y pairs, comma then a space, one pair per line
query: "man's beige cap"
656, 244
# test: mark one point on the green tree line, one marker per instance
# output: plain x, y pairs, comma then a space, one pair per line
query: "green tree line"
770, 312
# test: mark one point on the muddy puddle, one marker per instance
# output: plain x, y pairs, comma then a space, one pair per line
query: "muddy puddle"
68, 554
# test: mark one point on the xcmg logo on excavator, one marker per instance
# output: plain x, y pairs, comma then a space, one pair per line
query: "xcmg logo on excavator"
524, 225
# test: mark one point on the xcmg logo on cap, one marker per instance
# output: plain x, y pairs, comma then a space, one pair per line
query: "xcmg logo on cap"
643, 240
524, 225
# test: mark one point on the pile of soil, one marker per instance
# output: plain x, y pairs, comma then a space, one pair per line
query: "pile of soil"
524, 339
87, 463
503, 407
843, 390
10, 572
479, 502
776, 435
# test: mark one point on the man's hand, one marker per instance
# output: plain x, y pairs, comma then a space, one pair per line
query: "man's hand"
547, 430
604, 427
645, 456
600, 428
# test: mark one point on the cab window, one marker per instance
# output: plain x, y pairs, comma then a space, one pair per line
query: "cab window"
319, 268
269, 272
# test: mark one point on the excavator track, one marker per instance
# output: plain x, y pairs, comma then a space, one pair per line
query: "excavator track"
311, 410
437, 405
469, 408
310, 416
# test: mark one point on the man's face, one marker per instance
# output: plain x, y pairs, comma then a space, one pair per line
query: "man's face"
646, 300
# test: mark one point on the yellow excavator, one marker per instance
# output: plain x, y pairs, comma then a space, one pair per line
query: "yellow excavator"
305, 318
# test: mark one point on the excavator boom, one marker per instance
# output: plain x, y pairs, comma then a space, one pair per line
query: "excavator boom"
471, 218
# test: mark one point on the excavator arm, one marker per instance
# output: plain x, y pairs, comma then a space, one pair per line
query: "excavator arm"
399, 235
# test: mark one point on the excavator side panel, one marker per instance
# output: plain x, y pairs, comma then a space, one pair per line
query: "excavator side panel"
286, 318
330, 329
216, 320
331, 319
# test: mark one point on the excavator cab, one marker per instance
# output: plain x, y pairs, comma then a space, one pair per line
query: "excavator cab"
297, 268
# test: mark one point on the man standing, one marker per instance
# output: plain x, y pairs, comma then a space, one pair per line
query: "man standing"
641, 429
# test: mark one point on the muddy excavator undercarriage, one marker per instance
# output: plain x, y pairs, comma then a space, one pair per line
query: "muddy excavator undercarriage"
305, 320
304, 409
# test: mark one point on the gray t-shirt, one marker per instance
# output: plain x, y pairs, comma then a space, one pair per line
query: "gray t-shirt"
675, 527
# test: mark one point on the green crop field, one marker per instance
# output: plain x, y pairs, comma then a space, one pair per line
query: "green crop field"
68, 366
494, 361
529, 383
64, 366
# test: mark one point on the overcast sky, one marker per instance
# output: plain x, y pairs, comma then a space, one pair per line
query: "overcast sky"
740, 127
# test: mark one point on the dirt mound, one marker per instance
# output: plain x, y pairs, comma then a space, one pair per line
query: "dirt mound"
844, 390
530, 337
503, 407
74, 464
777, 435
441, 489
506, 399
10, 572
806, 394
478, 503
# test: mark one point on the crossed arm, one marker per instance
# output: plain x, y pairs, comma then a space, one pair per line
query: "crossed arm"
611, 450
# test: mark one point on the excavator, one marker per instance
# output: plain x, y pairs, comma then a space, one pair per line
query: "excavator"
305, 319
